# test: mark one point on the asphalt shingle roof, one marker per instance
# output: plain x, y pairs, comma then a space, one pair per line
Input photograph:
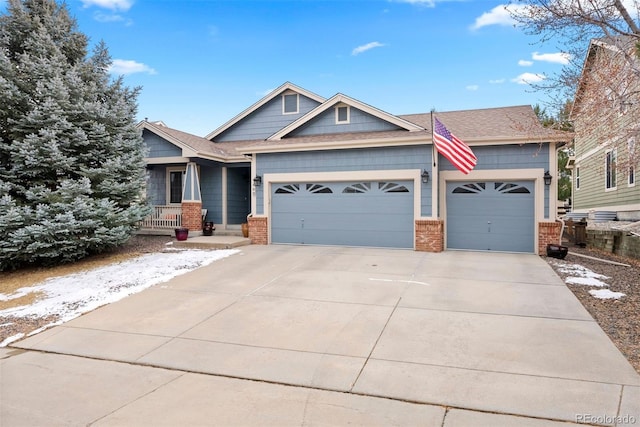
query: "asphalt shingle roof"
516, 123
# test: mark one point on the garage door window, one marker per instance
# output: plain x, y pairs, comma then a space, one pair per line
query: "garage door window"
384, 187
501, 187
474, 188
309, 188
507, 187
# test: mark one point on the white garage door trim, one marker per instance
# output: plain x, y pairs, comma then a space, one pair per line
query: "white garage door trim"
373, 175
537, 175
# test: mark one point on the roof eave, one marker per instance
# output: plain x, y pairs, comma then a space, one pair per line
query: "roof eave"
334, 145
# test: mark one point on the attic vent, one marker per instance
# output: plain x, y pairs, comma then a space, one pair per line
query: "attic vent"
290, 103
342, 114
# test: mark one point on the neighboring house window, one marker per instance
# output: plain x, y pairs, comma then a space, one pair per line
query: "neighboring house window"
632, 158
175, 181
342, 114
577, 178
610, 169
290, 103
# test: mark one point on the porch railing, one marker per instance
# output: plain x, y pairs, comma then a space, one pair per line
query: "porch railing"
163, 217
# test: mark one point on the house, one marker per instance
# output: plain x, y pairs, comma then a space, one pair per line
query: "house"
304, 169
606, 117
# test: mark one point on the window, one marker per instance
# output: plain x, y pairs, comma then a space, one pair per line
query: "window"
631, 181
610, 170
290, 103
342, 114
175, 181
577, 177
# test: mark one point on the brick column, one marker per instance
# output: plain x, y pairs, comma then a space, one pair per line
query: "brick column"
258, 230
192, 215
548, 232
429, 235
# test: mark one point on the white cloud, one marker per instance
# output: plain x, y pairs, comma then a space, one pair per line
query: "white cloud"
557, 58
497, 81
499, 15
128, 66
524, 63
365, 47
528, 78
472, 87
109, 4
105, 17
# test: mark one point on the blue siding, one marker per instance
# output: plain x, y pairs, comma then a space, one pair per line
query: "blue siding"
525, 156
265, 121
160, 147
359, 122
407, 157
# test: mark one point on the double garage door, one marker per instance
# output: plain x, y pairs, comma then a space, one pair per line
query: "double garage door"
491, 216
362, 213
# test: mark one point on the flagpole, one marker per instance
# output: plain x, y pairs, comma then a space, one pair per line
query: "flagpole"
433, 145
434, 174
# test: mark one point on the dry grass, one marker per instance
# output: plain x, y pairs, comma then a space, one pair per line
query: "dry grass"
11, 281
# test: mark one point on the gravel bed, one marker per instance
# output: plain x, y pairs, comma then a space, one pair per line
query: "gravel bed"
619, 318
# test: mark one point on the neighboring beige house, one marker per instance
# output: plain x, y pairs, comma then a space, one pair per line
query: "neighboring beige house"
606, 117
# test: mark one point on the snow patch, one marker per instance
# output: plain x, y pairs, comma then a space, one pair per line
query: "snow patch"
606, 294
70, 296
579, 275
586, 281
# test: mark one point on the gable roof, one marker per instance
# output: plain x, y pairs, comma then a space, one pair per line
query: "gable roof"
343, 99
273, 94
620, 45
508, 125
195, 146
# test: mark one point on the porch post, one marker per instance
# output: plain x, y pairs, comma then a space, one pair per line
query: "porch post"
191, 199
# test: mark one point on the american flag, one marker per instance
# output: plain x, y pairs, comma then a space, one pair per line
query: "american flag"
456, 151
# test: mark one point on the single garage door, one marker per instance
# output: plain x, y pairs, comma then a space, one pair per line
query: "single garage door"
371, 213
491, 216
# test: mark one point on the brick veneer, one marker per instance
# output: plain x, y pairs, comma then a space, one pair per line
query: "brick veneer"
429, 235
548, 232
192, 215
258, 230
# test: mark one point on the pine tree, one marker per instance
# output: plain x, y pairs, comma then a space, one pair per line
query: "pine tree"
71, 159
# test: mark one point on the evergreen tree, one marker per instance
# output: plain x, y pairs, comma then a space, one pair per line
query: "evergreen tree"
71, 159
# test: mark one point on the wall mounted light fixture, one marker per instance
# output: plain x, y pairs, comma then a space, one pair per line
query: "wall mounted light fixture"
425, 176
547, 178
257, 181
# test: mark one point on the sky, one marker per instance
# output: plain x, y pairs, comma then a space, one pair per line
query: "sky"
68, 297
202, 62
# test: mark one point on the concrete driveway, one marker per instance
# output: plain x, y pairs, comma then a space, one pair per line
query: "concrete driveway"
290, 335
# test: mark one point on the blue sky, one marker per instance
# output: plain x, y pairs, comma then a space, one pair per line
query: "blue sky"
201, 62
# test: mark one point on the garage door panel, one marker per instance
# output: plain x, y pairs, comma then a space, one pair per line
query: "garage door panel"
491, 216
346, 213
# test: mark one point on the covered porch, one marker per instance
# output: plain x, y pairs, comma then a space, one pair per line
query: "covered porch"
190, 194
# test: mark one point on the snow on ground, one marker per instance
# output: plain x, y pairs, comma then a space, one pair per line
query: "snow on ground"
70, 296
579, 275
606, 294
